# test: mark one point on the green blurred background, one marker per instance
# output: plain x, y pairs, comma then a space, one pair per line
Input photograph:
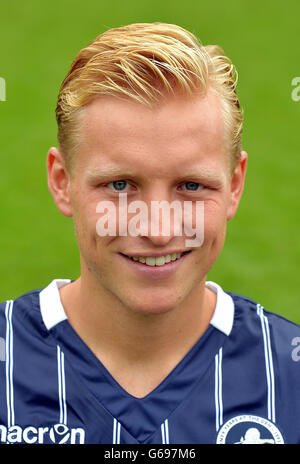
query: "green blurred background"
39, 40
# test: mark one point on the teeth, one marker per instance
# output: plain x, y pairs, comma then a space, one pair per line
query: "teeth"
151, 261
157, 261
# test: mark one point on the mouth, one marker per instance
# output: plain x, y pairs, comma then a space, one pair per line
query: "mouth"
157, 261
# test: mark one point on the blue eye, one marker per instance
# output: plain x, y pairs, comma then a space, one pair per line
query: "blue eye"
119, 185
193, 186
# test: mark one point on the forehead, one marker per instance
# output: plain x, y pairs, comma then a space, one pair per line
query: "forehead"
170, 137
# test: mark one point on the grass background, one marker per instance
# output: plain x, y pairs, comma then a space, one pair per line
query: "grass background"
38, 42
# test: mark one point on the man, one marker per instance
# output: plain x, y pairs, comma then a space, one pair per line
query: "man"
141, 348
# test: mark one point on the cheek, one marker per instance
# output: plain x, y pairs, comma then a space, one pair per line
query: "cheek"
91, 246
215, 219
214, 236
85, 220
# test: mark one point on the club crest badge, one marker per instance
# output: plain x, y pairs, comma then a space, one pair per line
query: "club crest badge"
248, 429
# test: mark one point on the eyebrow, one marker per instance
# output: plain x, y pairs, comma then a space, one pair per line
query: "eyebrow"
97, 173
201, 172
107, 172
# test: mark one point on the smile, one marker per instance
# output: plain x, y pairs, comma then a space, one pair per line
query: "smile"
157, 260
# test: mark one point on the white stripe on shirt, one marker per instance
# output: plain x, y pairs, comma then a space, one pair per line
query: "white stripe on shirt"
218, 389
9, 364
165, 432
268, 362
61, 386
116, 432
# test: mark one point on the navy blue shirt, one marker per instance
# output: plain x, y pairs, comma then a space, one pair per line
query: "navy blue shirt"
239, 383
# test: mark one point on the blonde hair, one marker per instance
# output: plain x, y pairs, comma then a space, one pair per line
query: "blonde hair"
138, 60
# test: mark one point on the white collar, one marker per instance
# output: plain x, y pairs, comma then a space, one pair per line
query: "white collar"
50, 303
53, 312
224, 311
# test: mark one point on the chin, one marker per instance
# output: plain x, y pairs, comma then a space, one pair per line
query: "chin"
147, 311
153, 305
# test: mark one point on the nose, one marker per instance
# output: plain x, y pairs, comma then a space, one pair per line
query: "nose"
160, 240
164, 221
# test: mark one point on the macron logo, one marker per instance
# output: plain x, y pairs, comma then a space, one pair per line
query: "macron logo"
58, 434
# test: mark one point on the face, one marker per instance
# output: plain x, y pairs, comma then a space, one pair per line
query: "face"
176, 151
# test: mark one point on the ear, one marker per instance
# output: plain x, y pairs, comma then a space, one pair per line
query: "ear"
58, 181
237, 185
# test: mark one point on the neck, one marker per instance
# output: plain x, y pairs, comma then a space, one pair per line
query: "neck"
139, 350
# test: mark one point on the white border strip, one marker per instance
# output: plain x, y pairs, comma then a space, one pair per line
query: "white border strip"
218, 389
9, 364
268, 362
61, 386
